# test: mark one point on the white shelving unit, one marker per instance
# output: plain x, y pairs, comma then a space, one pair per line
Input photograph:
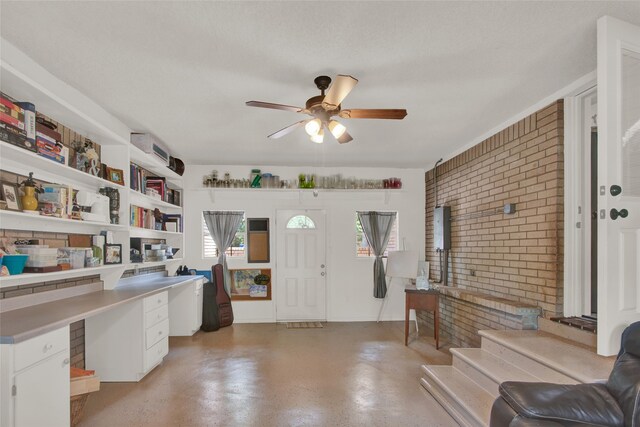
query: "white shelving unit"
24, 79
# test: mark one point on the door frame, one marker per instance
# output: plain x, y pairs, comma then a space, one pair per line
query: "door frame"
278, 262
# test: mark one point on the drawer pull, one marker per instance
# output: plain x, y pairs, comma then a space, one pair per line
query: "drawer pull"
47, 347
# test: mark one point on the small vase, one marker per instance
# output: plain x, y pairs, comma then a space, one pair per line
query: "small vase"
29, 200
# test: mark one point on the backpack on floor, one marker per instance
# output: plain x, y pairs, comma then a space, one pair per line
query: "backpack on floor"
210, 315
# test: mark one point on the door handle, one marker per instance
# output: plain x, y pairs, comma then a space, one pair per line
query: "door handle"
321, 265
322, 274
615, 190
614, 213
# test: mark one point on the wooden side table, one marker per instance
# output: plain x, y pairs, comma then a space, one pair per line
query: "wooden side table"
422, 300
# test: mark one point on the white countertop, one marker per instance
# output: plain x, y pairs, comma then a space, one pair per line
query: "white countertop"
24, 323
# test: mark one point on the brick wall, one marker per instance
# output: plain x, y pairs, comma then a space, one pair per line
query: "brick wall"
517, 257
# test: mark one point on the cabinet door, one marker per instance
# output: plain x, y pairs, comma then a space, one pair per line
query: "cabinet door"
42, 393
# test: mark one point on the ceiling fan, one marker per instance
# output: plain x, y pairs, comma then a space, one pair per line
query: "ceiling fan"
324, 107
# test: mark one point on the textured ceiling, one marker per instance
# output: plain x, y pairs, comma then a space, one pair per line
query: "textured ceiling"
183, 70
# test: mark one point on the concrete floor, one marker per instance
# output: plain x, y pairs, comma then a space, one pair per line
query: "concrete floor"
346, 374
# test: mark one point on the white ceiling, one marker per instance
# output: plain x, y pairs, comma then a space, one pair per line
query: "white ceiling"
183, 70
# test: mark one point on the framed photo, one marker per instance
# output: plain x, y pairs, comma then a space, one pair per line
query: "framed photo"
112, 253
115, 175
251, 284
11, 196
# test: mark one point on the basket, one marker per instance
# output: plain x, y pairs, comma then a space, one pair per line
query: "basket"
15, 263
77, 406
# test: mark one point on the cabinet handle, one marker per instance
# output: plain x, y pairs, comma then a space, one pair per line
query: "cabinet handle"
159, 332
159, 300
66, 361
47, 347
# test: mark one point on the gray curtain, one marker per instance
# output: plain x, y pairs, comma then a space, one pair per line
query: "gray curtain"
223, 226
377, 228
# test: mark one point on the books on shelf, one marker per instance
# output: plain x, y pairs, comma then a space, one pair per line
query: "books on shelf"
12, 123
152, 219
144, 182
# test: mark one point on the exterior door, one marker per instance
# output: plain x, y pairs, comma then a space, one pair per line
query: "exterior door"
301, 273
618, 169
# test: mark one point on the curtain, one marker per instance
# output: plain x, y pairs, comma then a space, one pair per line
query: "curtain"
223, 227
377, 229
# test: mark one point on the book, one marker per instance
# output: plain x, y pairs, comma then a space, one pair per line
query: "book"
11, 121
11, 112
15, 137
9, 102
46, 131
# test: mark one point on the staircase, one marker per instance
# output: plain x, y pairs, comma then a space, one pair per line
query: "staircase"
468, 387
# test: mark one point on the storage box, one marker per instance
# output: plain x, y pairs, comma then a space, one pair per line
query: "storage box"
39, 256
77, 256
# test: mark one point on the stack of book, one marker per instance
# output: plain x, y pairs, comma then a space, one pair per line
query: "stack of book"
158, 184
12, 126
49, 143
173, 197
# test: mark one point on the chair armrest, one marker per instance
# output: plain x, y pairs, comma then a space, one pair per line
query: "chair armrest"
577, 403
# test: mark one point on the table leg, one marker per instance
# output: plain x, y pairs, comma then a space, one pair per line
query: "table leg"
406, 319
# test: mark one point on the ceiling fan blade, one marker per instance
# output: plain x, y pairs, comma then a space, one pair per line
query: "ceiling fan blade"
344, 138
273, 106
284, 131
373, 114
338, 91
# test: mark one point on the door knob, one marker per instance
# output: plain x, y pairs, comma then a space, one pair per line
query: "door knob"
321, 265
615, 190
322, 274
614, 213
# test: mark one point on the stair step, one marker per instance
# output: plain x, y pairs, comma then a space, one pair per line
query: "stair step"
488, 370
568, 358
467, 402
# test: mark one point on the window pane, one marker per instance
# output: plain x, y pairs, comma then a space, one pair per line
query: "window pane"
362, 246
237, 249
301, 221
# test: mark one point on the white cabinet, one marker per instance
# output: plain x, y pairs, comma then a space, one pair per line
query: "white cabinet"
34, 386
125, 343
185, 308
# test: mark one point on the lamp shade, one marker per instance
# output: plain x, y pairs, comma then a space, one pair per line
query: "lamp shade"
402, 264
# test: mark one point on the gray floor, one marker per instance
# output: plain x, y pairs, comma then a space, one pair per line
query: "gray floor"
346, 374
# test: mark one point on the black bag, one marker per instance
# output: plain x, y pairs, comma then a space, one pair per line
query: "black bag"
210, 314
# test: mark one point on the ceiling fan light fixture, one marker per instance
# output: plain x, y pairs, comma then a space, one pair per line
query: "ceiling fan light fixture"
337, 129
313, 127
318, 138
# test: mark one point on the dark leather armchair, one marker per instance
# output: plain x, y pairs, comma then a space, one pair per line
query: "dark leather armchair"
615, 403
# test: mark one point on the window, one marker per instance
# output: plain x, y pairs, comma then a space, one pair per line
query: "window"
362, 246
301, 221
237, 248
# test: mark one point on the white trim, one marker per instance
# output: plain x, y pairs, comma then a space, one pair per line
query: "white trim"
573, 89
577, 205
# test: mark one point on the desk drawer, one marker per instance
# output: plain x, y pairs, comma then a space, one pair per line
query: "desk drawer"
156, 333
155, 354
39, 348
156, 316
155, 301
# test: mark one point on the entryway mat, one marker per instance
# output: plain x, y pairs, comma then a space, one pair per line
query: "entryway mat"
304, 325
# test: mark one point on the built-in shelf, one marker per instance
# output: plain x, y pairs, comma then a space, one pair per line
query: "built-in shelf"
152, 263
153, 234
19, 160
13, 220
144, 201
26, 80
303, 190
155, 165
27, 278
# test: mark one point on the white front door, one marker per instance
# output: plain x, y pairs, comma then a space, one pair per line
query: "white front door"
301, 272
618, 169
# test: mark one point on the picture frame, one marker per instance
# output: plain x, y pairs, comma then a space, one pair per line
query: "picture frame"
250, 284
115, 175
11, 196
112, 253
